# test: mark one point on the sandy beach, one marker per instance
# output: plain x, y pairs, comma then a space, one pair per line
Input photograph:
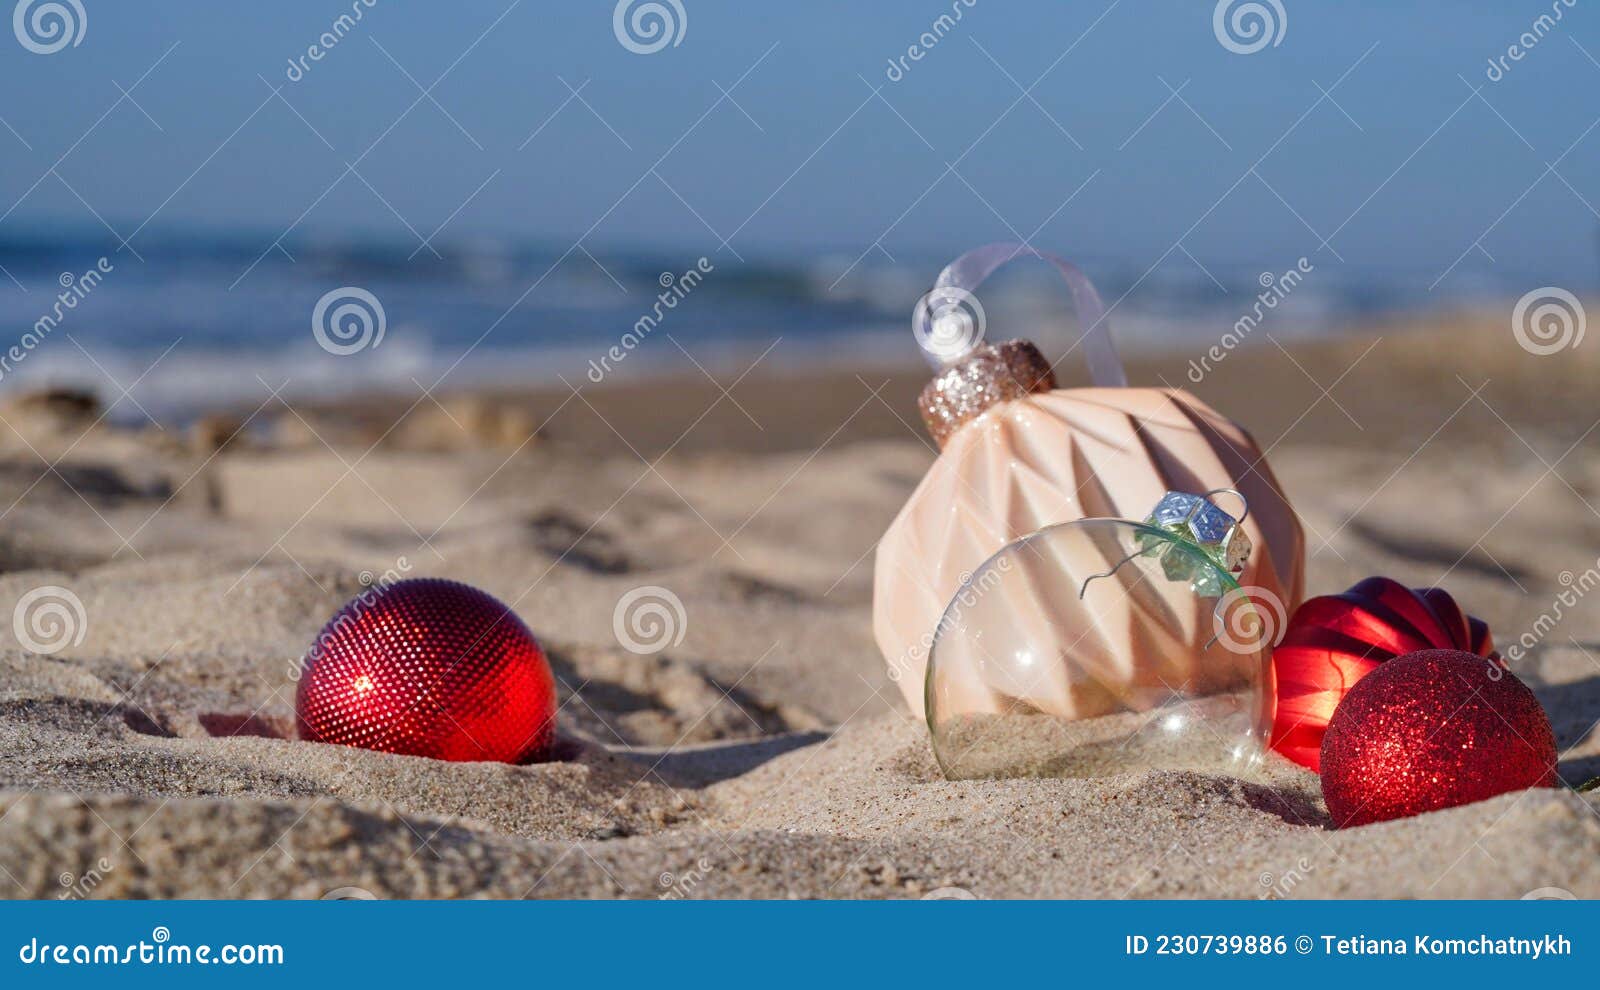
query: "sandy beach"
766, 754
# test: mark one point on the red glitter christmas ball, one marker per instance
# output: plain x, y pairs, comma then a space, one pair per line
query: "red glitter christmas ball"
1333, 641
1430, 730
428, 667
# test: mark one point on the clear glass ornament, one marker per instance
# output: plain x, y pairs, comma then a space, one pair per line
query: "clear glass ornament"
1102, 646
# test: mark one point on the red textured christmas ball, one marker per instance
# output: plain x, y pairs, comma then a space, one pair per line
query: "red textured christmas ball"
1430, 730
428, 667
1333, 641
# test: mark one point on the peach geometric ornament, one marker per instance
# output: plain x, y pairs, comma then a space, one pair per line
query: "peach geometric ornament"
1018, 454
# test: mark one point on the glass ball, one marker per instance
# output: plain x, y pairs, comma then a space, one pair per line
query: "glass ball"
1097, 647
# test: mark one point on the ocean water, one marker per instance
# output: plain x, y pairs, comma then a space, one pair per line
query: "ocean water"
197, 321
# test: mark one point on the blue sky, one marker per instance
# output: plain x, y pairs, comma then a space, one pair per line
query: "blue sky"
1357, 140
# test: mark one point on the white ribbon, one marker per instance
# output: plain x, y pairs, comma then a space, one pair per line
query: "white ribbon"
967, 272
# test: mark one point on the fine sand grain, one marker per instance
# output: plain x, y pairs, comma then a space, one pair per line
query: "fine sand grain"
766, 754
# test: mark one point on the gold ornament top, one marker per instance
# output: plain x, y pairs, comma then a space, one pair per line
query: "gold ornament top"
990, 374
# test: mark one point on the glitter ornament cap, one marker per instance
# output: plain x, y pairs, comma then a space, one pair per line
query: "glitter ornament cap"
1018, 454
1101, 646
988, 375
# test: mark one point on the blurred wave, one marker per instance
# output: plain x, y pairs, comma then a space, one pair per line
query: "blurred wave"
490, 312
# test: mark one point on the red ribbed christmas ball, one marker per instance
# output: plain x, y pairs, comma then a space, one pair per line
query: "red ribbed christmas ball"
1333, 641
428, 667
1430, 730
